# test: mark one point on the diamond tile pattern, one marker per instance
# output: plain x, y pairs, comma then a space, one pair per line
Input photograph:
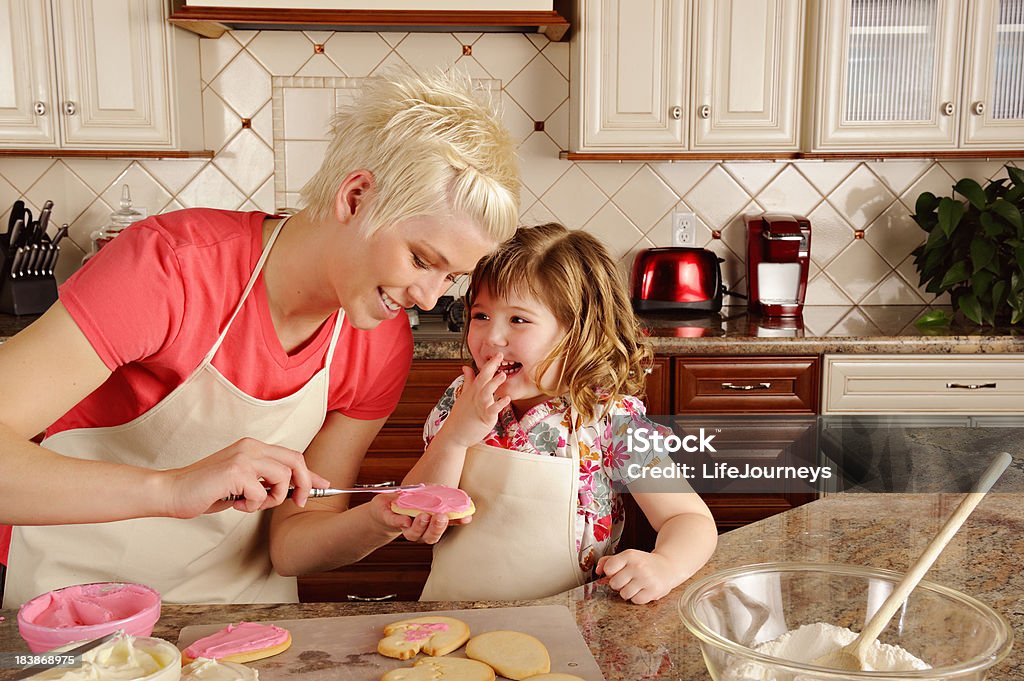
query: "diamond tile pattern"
645, 198
626, 205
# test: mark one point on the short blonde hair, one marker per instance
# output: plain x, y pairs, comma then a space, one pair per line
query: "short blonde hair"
605, 353
434, 149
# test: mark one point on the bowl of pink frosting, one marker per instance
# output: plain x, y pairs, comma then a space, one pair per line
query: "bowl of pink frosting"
87, 611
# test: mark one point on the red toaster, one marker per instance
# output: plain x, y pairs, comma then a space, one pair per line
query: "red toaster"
676, 278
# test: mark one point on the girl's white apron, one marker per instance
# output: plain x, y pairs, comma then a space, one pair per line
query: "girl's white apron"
218, 558
521, 543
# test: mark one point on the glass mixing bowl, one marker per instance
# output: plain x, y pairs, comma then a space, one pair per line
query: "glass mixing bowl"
734, 610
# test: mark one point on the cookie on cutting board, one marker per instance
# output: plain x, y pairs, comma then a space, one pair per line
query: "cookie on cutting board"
512, 654
433, 635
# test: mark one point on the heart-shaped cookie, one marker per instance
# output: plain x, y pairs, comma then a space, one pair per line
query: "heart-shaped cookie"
442, 669
432, 635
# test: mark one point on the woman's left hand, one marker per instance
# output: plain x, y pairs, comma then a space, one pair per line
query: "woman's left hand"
638, 576
426, 528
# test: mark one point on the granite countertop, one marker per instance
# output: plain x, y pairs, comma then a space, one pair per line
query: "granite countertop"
821, 329
632, 642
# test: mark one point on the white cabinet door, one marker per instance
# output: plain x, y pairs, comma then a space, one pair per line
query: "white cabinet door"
888, 74
993, 103
112, 57
27, 90
630, 65
748, 66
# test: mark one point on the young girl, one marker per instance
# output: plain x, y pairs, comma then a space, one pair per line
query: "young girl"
537, 436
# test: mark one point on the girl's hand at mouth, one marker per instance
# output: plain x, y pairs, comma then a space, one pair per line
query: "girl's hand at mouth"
476, 409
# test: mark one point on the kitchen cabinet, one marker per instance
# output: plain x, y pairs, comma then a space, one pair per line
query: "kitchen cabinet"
212, 18
923, 384
91, 74
929, 74
720, 393
633, 64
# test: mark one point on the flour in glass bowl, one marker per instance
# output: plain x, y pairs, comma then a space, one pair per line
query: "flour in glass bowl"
811, 641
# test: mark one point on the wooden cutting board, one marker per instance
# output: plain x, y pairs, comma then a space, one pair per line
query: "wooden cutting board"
345, 648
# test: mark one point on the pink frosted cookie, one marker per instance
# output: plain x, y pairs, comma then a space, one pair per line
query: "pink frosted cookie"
242, 642
434, 499
433, 635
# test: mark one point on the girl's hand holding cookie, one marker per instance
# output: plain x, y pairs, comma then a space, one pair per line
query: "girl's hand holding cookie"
476, 410
638, 576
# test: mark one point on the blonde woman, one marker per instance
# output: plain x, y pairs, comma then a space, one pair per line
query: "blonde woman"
205, 353
538, 435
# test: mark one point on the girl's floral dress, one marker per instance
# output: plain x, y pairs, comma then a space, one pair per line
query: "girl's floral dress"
604, 456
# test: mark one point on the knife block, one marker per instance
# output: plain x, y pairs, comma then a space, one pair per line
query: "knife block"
27, 294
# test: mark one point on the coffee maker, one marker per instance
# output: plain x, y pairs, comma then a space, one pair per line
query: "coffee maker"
778, 257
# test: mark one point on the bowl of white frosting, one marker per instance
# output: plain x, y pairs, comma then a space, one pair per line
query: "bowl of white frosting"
86, 611
771, 621
124, 658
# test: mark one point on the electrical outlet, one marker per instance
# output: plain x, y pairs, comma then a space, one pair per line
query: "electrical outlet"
683, 227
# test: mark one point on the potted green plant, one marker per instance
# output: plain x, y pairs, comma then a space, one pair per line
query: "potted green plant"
975, 248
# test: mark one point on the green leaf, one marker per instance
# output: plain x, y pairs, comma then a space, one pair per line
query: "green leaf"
968, 304
1016, 175
994, 189
981, 282
955, 274
933, 319
992, 227
982, 253
998, 295
925, 203
1007, 211
1015, 195
950, 212
972, 191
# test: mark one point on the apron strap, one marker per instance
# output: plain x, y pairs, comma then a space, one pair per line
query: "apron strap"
245, 293
334, 339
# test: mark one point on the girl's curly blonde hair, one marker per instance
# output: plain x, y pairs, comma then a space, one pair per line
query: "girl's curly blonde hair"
605, 354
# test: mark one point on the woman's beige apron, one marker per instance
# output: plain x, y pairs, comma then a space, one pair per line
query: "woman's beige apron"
521, 543
218, 558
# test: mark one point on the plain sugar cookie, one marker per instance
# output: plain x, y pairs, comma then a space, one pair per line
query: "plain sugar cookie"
512, 654
442, 669
432, 635
434, 499
242, 642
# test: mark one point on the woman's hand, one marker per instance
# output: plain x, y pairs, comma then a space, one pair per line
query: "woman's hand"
426, 528
638, 576
259, 472
476, 410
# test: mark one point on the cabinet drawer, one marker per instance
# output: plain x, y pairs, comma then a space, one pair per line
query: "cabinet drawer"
916, 384
746, 385
395, 572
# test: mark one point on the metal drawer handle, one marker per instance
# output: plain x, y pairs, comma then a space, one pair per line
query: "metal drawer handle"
758, 386
70, 108
40, 108
372, 599
971, 386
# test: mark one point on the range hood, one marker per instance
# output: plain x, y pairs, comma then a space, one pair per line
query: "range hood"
211, 18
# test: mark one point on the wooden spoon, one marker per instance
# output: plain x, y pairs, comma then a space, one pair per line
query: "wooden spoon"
848, 658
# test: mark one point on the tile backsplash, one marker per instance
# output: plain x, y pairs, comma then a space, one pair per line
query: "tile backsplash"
262, 155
